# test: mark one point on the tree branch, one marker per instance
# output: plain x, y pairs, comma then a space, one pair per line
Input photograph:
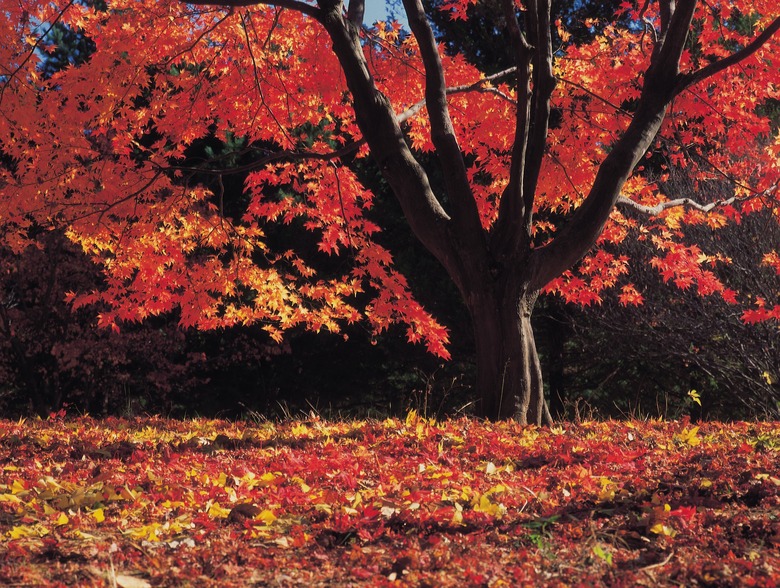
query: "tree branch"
581, 232
256, 77
380, 128
12, 73
301, 7
464, 208
271, 158
676, 18
544, 84
713, 68
536, 81
689, 203
377, 121
511, 208
356, 11
661, 206
478, 86
592, 94
402, 117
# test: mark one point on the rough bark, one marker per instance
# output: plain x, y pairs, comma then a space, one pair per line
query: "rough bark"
509, 375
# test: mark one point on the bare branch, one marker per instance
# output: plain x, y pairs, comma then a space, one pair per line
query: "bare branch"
618, 109
689, 203
565, 172
200, 37
478, 86
258, 86
661, 206
730, 178
114, 203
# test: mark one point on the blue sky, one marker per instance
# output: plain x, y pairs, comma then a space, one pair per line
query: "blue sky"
377, 10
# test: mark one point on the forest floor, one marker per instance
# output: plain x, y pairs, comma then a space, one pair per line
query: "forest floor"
158, 502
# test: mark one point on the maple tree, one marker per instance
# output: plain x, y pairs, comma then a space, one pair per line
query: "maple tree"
534, 160
311, 502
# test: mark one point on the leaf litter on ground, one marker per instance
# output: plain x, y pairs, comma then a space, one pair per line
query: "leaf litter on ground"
412, 502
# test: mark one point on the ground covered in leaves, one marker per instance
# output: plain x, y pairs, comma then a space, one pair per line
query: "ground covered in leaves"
155, 502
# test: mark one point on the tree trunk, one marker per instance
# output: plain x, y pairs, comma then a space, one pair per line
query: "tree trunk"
509, 375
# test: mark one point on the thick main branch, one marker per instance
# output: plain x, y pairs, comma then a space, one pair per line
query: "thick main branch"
535, 83
663, 81
578, 236
511, 209
450, 156
718, 66
544, 83
379, 125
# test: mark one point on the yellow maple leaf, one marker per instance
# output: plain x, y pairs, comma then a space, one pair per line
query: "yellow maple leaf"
457, 517
411, 417
267, 516
300, 430
98, 515
607, 489
689, 436
215, 511
487, 503
661, 529
146, 533
23, 531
